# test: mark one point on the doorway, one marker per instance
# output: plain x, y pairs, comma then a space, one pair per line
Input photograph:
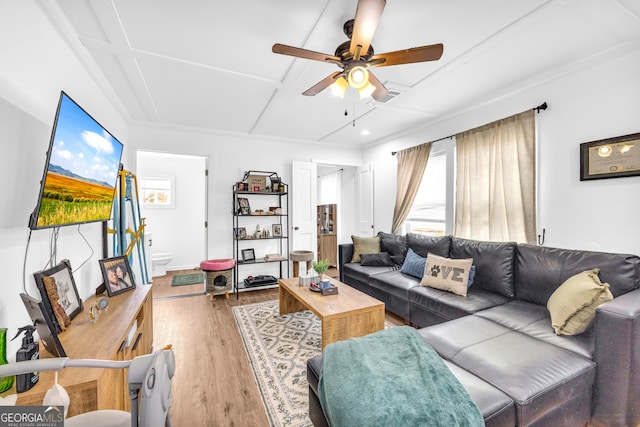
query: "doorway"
173, 200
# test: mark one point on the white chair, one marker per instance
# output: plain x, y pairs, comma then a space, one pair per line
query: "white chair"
149, 380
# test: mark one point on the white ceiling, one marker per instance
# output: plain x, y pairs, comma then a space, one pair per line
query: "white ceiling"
206, 64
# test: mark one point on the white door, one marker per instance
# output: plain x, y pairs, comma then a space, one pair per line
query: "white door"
304, 196
365, 202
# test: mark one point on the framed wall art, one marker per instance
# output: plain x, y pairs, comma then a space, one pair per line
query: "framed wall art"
610, 158
277, 230
59, 293
117, 275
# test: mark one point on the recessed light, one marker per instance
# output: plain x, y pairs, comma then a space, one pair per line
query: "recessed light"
364, 132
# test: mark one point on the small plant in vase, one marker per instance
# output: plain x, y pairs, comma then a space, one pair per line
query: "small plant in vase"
321, 266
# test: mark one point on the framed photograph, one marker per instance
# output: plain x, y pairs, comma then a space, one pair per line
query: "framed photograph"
243, 206
248, 255
241, 186
276, 230
610, 158
117, 275
240, 233
45, 325
60, 298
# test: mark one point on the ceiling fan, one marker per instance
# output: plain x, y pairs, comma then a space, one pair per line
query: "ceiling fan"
356, 55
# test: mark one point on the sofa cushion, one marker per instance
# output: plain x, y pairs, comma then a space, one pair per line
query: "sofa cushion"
534, 320
395, 245
447, 274
573, 305
364, 245
413, 264
423, 244
428, 305
357, 276
381, 259
493, 261
540, 378
540, 270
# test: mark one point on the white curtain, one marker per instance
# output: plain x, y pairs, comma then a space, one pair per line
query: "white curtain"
495, 183
411, 165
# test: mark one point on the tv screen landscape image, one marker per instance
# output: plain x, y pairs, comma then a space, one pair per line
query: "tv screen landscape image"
81, 170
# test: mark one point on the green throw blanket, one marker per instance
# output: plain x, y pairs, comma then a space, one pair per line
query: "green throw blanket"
392, 378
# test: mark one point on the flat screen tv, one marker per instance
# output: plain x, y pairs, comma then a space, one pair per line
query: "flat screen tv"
81, 170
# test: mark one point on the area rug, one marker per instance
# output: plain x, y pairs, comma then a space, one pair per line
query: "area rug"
278, 348
187, 279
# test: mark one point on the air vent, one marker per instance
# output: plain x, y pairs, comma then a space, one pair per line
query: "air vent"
395, 90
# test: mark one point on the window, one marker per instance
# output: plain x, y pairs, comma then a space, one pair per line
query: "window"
432, 212
428, 214
158, 191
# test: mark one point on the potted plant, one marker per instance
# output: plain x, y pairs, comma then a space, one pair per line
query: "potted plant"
320, 267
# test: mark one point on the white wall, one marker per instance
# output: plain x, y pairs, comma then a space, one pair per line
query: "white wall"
230, 155
36, 66
586, 105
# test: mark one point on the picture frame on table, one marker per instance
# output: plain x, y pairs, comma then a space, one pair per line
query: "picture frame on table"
276, 230
243, 206
117, 275
60, 299
248, 255
240, 233
610, 158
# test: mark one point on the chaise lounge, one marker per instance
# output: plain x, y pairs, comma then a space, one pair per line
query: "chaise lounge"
500, 339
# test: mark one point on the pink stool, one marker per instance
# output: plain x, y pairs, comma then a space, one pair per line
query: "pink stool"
219, 277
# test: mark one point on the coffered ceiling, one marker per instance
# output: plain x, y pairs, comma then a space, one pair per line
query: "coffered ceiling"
203, 64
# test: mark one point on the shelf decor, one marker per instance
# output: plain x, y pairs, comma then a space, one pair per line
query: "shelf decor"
269, 243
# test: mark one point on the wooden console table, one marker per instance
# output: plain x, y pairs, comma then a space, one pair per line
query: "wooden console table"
123, 331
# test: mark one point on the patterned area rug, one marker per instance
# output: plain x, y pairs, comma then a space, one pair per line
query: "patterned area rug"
278, 348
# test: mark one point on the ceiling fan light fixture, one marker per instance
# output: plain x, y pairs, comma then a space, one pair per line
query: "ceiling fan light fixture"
366, 90
358, 77
339, 87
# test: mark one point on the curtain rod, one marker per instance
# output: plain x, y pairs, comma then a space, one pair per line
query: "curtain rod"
537, 109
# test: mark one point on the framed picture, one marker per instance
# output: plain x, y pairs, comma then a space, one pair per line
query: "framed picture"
248, 255
243, 206
45, 325
117, 275
60, 298
240, 233
241, 186
610, 158
276, 230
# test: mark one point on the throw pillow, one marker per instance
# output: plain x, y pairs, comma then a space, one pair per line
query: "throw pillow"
395, 245
472, 275
573, 305
447, 274
381, 259
413, 264
364, 245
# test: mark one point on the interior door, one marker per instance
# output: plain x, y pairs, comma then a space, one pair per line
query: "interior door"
304, 196
365, 201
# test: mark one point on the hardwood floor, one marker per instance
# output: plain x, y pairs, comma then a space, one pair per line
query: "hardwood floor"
214, 383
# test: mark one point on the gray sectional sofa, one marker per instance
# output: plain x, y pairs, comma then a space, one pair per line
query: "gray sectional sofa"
498, 340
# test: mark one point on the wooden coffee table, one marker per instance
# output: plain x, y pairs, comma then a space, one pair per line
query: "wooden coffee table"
348, 314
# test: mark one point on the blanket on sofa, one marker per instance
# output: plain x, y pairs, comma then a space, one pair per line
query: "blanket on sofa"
392, 378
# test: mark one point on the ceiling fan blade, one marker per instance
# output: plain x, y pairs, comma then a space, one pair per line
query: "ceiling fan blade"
303, 53
407, 56
381, 92
366, 21
322, 84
